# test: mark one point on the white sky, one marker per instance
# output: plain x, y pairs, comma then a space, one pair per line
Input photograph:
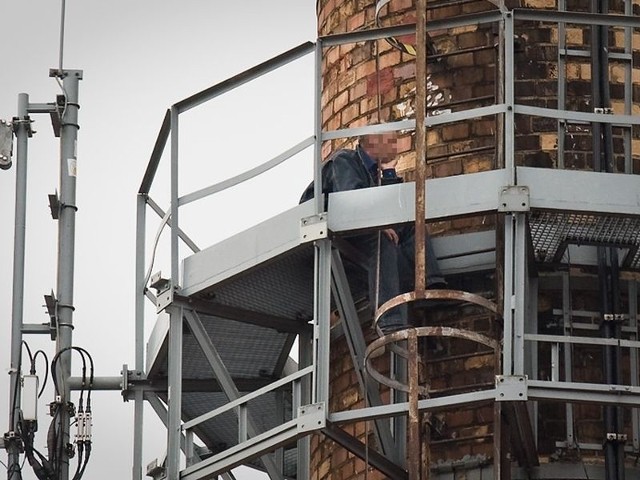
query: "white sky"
138, 58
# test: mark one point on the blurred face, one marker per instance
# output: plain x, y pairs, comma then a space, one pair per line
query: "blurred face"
382, 146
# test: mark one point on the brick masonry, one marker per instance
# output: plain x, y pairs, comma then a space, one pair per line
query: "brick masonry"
372, 82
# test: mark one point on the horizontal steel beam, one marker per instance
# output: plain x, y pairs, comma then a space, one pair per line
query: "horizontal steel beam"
581, 18
429, 404
244, 77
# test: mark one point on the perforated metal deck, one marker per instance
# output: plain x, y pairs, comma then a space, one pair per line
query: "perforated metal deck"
552, 232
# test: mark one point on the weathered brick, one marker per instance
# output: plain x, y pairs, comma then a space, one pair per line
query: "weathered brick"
380, 82
341, 101
455, 132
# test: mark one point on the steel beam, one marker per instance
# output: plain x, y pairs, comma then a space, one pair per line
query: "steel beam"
357, 346
364, 452
174, 394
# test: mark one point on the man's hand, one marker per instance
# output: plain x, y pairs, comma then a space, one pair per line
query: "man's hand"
391, 234
388, 163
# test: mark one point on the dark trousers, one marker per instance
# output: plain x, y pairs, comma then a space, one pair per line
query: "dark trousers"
397, 270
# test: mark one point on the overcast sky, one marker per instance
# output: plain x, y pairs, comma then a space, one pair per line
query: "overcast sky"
139, 57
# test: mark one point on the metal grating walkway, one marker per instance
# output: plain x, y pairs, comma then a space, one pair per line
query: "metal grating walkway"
553, 232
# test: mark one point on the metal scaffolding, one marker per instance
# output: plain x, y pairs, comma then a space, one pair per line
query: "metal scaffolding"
544, 210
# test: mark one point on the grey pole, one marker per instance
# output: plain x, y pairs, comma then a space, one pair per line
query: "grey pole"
174, 429
22, 134
139, 334
66, 247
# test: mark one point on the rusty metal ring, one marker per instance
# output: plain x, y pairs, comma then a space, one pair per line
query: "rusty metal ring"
420, 332
438, 294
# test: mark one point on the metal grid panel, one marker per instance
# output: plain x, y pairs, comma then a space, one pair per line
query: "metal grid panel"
263, 288
255, 357
551, 232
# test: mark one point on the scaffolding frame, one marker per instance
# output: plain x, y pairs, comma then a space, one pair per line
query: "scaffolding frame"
512, 191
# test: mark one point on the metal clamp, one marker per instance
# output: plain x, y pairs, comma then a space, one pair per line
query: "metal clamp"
514, 198
313, 228
614, 317
616, 437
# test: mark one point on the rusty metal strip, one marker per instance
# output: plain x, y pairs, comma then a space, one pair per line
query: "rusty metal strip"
438, 294
401, 335
413, 442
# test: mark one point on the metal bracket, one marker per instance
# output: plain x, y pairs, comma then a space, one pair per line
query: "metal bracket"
164, 290
311, 417
6, 144
124, 387
514, 198
603, 110
511, 388
164, 299
54, 205
313, 228
51, 303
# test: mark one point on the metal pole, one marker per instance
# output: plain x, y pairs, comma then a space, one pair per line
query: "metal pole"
66, 247
421, 147
22, 134
414, 440
138, 413
174, 429
176, 316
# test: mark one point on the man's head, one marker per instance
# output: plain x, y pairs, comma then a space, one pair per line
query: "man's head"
381, 146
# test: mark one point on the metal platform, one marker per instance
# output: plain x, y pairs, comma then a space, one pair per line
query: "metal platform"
238, 294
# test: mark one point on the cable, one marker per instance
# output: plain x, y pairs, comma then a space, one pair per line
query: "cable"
164, 221
54, 438
46, 369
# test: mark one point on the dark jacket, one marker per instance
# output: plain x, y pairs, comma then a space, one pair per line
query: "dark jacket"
347, 170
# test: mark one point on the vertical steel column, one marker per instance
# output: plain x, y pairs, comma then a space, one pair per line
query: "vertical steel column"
628, 88
562, 86
66, 246
633, 358
509, 98
317, 129
138, 413
322, 302
567, 321
305, 358
322, 287
519, 292
174, 394
175, 320
17, 302
509, 301
509, 221
175, 225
